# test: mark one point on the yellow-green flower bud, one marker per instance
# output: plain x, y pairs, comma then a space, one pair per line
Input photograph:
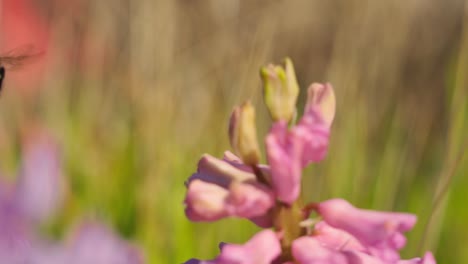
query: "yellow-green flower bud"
280, 90
243, 133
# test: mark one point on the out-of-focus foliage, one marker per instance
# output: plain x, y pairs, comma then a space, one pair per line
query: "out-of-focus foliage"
137, 90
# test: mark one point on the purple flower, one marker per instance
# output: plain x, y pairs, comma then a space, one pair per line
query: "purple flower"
39, 188
222, 188
262, 248
35, 196
94, 243
15, 238
380, 232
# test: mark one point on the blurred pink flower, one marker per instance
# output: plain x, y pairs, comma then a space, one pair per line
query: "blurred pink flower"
94, 243
39, 188
15, 237
35, 197
222, 188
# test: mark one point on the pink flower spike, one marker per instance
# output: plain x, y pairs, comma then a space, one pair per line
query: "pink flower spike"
380, 232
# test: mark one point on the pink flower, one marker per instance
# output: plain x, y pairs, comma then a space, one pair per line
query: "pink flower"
223, 188
262, 248
380, 232
289, 151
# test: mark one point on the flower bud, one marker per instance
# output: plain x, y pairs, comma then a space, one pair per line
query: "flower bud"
280, 90
321, 98
243, 133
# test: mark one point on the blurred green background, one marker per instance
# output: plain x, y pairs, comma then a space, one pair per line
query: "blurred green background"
136, 91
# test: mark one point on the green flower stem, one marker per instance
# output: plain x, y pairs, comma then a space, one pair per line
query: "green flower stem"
287, 219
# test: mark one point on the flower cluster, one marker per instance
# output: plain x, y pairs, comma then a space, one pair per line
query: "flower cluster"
267, 195
34, 197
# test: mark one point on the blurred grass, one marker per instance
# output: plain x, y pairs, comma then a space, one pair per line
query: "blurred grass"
136, 91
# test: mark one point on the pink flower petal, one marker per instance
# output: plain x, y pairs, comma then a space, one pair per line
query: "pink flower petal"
380, 232
205, 201
220, 172
289, 151
321, 99
313, 136
220, 189
284, 156
336, 239
310, 250
307, 250
262, 248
